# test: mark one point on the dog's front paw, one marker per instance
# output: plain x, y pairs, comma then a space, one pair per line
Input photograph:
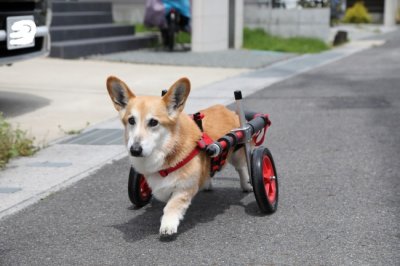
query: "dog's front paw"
169, 226
246, 187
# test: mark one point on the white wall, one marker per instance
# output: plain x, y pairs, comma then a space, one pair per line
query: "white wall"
210, 19
128, 13
209, 25
289, 22
239, 16
125, 11
390, 11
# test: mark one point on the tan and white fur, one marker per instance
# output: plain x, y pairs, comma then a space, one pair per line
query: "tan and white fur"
159, 135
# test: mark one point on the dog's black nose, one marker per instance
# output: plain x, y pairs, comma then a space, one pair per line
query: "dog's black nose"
136, 150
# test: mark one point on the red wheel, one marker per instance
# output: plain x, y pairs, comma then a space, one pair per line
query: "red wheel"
265, 180
139, 191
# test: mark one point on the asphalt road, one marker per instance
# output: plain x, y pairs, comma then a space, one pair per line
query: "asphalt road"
336, 141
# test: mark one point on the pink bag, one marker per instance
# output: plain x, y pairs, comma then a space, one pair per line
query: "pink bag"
155, 14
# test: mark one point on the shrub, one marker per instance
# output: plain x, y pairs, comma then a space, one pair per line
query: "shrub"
358, 13
13, 142
258, 39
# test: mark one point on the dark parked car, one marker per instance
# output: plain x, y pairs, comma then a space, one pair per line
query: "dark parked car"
24, 29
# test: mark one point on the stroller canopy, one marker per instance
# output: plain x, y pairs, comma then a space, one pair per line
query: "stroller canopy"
182, 6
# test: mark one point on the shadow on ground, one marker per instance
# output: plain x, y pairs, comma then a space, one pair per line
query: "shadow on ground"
205, 207
14, 104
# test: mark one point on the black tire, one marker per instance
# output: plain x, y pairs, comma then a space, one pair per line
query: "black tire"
265, 180
164, 36
171, 32
138, 191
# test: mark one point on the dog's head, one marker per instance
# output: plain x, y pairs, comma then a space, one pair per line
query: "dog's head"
149, 121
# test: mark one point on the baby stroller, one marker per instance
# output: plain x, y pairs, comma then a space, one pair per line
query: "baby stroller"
170, 16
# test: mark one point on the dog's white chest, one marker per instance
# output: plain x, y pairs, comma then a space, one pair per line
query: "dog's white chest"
162, 187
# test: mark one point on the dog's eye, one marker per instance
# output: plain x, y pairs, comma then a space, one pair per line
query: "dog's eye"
153, 123
131, 120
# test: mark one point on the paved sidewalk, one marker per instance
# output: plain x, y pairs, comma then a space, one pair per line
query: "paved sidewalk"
27, 180
72, 93
226, 59
250, 59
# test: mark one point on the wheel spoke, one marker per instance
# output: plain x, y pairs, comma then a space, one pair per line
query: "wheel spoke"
269, 179
144, 188
272, 188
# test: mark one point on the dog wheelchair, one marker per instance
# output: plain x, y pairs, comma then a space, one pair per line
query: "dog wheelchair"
260, 163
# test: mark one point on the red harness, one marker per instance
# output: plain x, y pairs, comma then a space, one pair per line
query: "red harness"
201, 145
217, 162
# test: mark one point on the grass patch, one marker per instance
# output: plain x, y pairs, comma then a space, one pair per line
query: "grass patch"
183, 37
139, 28
72, 131
13, 142
258, 39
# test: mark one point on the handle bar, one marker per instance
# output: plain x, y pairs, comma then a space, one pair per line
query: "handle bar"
238, 136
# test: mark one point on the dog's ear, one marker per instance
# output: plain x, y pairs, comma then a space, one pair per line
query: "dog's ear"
176, 96
119, 92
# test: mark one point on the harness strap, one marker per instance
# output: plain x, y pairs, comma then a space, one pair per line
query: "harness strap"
167, 171
256, 138
201, 145
219, 161
197, 117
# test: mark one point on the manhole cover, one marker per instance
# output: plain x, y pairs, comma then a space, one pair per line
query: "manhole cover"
98, 137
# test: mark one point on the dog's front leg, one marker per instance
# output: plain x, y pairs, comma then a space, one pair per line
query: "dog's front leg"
175, 210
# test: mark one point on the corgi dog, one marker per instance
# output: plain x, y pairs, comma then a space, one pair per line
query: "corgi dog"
159, 135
